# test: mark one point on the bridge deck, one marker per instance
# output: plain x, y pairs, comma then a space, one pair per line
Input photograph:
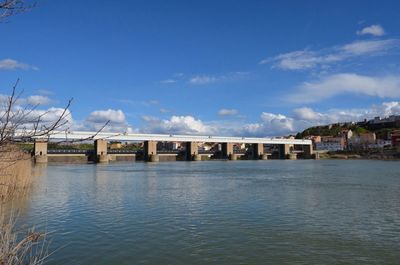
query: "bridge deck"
126, 137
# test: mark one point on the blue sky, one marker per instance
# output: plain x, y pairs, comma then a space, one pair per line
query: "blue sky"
206, 67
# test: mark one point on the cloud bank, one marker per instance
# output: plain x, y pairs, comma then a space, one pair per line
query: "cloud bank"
309, 59
347, 83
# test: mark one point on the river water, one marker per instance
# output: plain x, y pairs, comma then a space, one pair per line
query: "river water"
219, 212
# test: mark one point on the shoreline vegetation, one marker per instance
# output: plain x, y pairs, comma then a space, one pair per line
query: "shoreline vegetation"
389, 154
16, 179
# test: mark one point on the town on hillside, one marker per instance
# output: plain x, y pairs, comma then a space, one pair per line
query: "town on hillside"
368, 136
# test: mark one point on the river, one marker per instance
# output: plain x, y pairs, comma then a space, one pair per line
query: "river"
219, 212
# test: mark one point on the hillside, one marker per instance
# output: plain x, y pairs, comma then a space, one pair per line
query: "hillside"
382, 132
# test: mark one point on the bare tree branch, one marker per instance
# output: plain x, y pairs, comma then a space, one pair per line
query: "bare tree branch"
10, 8
25, 123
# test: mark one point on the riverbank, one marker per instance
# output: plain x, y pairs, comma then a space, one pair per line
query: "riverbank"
382, 155
15, 172
16, 179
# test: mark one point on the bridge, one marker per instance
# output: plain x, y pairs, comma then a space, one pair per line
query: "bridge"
102, 154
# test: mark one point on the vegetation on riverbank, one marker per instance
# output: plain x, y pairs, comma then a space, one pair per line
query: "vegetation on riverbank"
15, 182
377, 154
357, 128
15, 172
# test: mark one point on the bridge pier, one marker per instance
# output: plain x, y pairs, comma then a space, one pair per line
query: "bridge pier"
150, 151
285, 150
227, 150
40, 151
258, 151
192, 152
233, 157
308, 151
100, 150
291, 156
154, 158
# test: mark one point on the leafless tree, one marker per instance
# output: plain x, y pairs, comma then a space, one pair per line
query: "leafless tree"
9, 8
24, 122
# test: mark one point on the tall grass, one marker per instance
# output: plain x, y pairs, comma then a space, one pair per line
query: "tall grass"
15, 173
16, 247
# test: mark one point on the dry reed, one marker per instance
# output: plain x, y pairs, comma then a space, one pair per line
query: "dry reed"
17, 248
15, 172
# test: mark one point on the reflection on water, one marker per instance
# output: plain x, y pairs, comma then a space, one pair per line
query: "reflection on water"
243, 212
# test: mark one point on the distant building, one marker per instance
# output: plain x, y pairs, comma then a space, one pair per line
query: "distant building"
396, 139
390, 119
346, 134
330, 143
115, 145
367, 138
363, 140
315, 139
380, 143
168, 146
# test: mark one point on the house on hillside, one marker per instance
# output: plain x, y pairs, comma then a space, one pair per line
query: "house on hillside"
362, 140
396, 139
330, 143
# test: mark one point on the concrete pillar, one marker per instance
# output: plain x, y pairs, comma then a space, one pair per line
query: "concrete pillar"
292, 156
154, 158
150, 148
192, 150
100, 150
197, 158
233, 157
40, 151
285, 150
258, 150
308, 151
227, 149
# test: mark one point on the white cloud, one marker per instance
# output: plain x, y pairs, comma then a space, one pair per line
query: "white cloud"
227, 112
38, 100
102, 116
306, 113
10, 64
386, 109
177, 125
346, 83
202, 80
33, 100
277, 124
209, 79
308, 59
375, 30
371, 47
299, 60
52, 114
168, 81
97, 119
42, 119
162, 110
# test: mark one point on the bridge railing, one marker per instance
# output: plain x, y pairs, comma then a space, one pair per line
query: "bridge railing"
69, 151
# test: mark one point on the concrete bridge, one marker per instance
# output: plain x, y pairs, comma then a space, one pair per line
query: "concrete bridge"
288, 148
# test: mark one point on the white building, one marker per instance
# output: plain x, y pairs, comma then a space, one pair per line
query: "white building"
329, 146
